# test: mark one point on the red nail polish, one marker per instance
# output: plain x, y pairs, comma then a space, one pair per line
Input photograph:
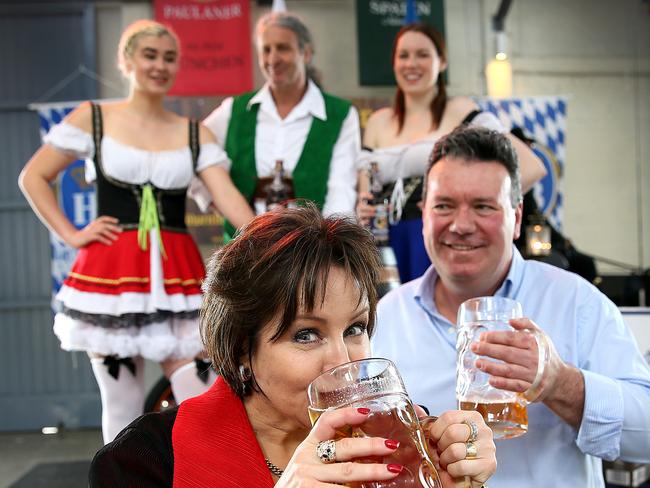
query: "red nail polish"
394, 468
363, 410
391, 443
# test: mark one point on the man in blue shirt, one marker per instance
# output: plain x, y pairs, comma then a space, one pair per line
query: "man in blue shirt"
593, 400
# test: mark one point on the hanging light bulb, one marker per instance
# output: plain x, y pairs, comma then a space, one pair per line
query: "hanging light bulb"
499, 78
498, 71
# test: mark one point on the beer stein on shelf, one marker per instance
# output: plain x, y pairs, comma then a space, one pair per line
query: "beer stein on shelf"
504, 411
375, 384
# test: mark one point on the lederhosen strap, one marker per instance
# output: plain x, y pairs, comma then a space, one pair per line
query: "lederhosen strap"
470, 116
98, 131
195, 147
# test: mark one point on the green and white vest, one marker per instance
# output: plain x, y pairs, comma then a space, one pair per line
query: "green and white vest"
311, 173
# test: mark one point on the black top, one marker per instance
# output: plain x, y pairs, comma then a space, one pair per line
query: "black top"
140, 456
122, 200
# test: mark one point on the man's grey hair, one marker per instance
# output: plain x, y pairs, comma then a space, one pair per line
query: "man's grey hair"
297, 26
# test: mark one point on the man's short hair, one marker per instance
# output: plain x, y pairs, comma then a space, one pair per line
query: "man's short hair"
478, 144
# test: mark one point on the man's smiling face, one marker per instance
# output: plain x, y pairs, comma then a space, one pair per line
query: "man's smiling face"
469, 222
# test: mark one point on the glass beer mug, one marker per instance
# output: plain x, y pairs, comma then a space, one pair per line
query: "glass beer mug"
375, 384
504, 411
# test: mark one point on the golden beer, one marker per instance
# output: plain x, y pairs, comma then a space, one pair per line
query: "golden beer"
506, 419
393, 417
503, 410
346, 431
314, 414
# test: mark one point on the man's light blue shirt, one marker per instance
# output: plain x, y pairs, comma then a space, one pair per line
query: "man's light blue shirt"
588, 332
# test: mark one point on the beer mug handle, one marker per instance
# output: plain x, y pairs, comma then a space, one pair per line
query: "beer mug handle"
426, 421
425, 424
532, 393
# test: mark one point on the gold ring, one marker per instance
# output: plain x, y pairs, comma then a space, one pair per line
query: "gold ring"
473, 430
472, 450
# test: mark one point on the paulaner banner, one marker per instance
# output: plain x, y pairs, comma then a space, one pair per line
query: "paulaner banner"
215, 45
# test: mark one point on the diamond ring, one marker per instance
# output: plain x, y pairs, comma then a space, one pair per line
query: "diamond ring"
326, 451
473, 430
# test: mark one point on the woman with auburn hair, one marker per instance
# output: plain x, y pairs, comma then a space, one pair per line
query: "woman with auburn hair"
290, 298
134, 289
400, 139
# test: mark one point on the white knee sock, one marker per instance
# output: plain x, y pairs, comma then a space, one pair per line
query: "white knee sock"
186, 383
122, 398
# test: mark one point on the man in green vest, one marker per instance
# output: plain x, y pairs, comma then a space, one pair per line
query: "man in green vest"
316, 135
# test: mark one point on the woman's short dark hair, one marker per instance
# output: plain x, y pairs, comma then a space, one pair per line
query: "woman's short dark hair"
471, 143
277, 264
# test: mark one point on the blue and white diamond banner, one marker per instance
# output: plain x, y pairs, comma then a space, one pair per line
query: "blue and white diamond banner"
76, 197
542, 119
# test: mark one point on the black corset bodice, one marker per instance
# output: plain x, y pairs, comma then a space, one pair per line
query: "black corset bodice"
123, 200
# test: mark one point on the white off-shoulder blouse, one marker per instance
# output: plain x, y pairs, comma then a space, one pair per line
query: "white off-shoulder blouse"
164, 169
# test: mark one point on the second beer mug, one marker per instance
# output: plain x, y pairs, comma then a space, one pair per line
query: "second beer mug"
375, 384
504, 411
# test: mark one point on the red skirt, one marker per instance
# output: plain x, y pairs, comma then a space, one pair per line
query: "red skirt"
120, 300
123, 267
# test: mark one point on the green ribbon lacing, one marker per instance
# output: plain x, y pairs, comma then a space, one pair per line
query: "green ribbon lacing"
149, 219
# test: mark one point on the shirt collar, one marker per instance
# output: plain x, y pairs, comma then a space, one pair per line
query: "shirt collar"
312, 103
425, 288
514, 277
424, 291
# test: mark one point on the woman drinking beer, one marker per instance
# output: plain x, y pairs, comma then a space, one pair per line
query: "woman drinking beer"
291, 297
